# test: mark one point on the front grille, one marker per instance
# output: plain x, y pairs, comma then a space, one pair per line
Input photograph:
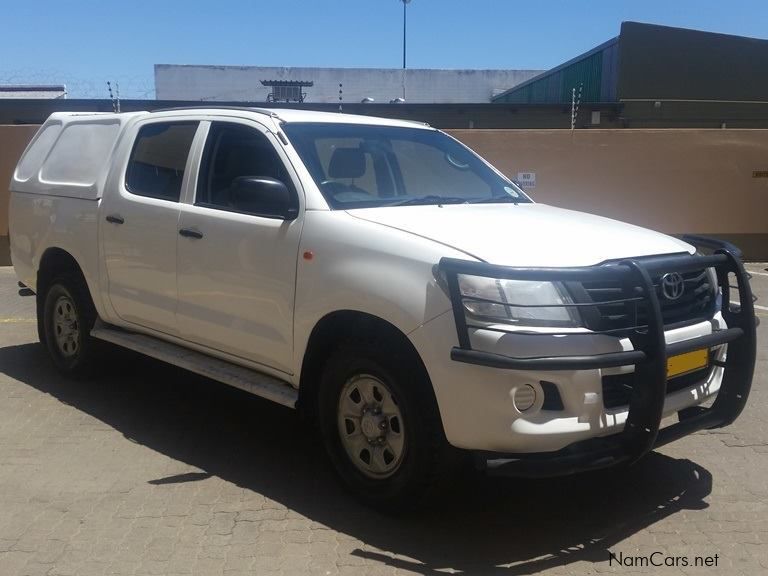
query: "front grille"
696, 303
617, 388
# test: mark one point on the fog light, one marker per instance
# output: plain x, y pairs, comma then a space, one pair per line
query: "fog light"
524, 397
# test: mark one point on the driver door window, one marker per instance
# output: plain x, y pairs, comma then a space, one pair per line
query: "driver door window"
233, 151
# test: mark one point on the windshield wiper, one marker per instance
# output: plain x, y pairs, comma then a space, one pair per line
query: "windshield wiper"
495, 200
430, 199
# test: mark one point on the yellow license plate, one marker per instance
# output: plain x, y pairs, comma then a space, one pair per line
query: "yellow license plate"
688, 362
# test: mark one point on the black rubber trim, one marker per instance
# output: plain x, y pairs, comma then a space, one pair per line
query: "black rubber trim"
712, 244
492, 360
608, 360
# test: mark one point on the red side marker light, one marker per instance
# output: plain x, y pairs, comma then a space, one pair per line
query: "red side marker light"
308, 255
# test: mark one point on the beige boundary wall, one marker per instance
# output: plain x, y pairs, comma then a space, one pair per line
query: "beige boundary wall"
13, 140
702, 181
711, 182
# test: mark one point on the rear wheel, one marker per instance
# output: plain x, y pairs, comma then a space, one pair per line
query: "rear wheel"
380, 424
68, 316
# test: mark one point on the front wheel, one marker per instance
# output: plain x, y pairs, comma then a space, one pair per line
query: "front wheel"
370, 426
68, 316
380, 424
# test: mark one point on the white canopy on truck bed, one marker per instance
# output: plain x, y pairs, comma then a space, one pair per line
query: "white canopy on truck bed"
70, 154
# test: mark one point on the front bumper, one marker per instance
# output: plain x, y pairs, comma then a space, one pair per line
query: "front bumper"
639, 429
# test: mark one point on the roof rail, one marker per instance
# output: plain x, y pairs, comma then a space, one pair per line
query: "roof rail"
264, 111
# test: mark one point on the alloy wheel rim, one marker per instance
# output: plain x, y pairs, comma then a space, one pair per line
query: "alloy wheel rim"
371, 426
66, 328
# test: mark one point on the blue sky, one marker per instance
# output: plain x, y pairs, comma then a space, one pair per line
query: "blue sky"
85, 43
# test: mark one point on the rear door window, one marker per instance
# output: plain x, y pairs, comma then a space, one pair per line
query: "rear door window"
159, 158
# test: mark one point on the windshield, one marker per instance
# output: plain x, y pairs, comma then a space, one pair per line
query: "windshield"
364, 166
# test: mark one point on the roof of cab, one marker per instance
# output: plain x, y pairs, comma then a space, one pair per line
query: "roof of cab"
291, 115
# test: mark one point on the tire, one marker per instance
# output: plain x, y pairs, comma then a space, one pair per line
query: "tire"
68, 317
360, 380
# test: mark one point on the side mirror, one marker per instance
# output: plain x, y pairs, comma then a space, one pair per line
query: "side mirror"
263, 196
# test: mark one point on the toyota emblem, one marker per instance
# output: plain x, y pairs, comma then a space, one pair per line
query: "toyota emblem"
672, 285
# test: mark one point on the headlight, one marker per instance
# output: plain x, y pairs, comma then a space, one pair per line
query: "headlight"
541, 302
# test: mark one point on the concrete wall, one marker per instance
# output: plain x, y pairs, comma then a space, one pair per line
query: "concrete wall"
243, 83
443, 116
702, 181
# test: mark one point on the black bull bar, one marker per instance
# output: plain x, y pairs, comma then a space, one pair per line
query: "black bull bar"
642, 429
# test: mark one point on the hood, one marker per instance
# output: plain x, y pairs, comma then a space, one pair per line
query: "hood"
526, 234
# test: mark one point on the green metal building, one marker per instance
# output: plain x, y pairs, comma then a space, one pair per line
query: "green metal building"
661, 77
593, 77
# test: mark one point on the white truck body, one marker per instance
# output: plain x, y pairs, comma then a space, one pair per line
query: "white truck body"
252, 291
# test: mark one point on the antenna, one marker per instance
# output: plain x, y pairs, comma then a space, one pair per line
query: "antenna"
341, 99
405, 5
117, 94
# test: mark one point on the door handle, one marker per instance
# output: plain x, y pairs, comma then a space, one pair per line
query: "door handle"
189, 233
115, 219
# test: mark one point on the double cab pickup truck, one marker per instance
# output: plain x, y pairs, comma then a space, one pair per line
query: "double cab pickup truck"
385, 280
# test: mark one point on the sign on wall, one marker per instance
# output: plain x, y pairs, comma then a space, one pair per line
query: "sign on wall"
526, 179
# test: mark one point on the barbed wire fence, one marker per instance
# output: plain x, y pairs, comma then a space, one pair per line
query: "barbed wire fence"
132, 87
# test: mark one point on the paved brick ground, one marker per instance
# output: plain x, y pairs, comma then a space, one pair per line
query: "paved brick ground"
150, 470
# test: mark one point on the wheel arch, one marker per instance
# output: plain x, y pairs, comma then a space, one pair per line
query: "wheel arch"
54, 262
347, 325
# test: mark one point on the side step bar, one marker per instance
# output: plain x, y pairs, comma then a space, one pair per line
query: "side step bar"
249, 380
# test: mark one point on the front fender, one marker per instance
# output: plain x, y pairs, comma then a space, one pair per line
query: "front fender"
362, 266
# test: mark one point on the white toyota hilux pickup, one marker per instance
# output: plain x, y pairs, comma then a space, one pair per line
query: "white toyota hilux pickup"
383, 278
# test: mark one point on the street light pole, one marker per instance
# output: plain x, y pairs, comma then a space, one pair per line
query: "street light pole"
405, 3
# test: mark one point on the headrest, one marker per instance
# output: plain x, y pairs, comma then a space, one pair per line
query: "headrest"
347, 163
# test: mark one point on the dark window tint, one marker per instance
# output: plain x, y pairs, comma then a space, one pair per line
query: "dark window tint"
158, 159
233, 151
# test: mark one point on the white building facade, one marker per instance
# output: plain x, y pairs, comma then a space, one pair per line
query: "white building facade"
32, 91
321, 85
